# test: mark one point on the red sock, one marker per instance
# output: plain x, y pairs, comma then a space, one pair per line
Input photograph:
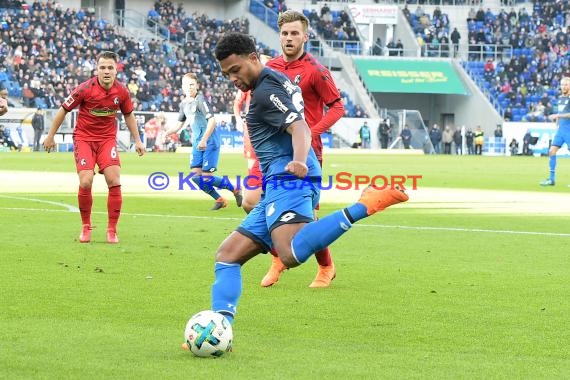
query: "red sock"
85, 201
114, 203
324, 257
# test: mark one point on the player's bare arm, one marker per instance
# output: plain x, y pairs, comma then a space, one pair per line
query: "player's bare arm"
301, 138
207, 133
179, 126
49, 143
334, 113
132, 125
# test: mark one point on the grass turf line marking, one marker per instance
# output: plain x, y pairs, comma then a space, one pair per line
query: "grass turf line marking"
417, 228
69, 207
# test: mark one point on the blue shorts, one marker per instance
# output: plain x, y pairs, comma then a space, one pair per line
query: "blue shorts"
205, 159
560, 138
280, 204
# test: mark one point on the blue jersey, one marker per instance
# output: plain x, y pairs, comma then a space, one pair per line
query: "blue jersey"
197, 112
276, 103
564, 107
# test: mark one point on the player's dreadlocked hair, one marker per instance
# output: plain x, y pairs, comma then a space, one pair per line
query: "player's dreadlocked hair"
234, 43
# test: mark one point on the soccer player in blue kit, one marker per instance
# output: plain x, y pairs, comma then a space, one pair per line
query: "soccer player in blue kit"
196, 111
562, 117
281, 138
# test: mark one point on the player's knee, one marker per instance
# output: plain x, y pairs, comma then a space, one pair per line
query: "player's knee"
247, 206
289, 261
286, 255
86, 183
222, 254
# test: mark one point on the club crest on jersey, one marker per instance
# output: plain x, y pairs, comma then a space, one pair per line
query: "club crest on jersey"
116, 101
275, 100
270, 209
297, 79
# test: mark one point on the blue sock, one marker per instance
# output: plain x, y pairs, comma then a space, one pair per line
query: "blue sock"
319, 234
356, 212
205, 184
552, 166
226, 289
221, 183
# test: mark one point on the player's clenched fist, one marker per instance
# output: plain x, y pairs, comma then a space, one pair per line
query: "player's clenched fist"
297, 168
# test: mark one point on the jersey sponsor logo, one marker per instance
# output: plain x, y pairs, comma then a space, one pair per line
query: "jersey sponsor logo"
102, 112
275, 100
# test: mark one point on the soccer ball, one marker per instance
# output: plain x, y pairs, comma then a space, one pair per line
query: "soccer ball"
208, 334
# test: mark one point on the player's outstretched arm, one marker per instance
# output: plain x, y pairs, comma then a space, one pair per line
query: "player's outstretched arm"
179, 125
49, 143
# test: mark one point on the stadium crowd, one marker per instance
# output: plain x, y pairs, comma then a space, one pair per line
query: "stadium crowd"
45, 51
519, 57
525, 84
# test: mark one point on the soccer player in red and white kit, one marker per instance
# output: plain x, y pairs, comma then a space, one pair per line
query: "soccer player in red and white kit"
254, 179
319, 90
95, 139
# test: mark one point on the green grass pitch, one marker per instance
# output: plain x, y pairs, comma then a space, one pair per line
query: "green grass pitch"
421, 293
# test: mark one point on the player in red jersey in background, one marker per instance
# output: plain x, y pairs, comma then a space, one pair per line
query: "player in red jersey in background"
95, 139
319, 90
253, 185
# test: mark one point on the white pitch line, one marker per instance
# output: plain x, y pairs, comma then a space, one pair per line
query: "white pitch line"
467, 230
417, 228
69, 207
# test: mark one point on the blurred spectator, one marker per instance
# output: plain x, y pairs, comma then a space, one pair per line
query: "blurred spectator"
406, 136
514, 147
364, 134
469, 141
435, 137
458, 141
447, 139
499, 131
455, 37
479, 136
